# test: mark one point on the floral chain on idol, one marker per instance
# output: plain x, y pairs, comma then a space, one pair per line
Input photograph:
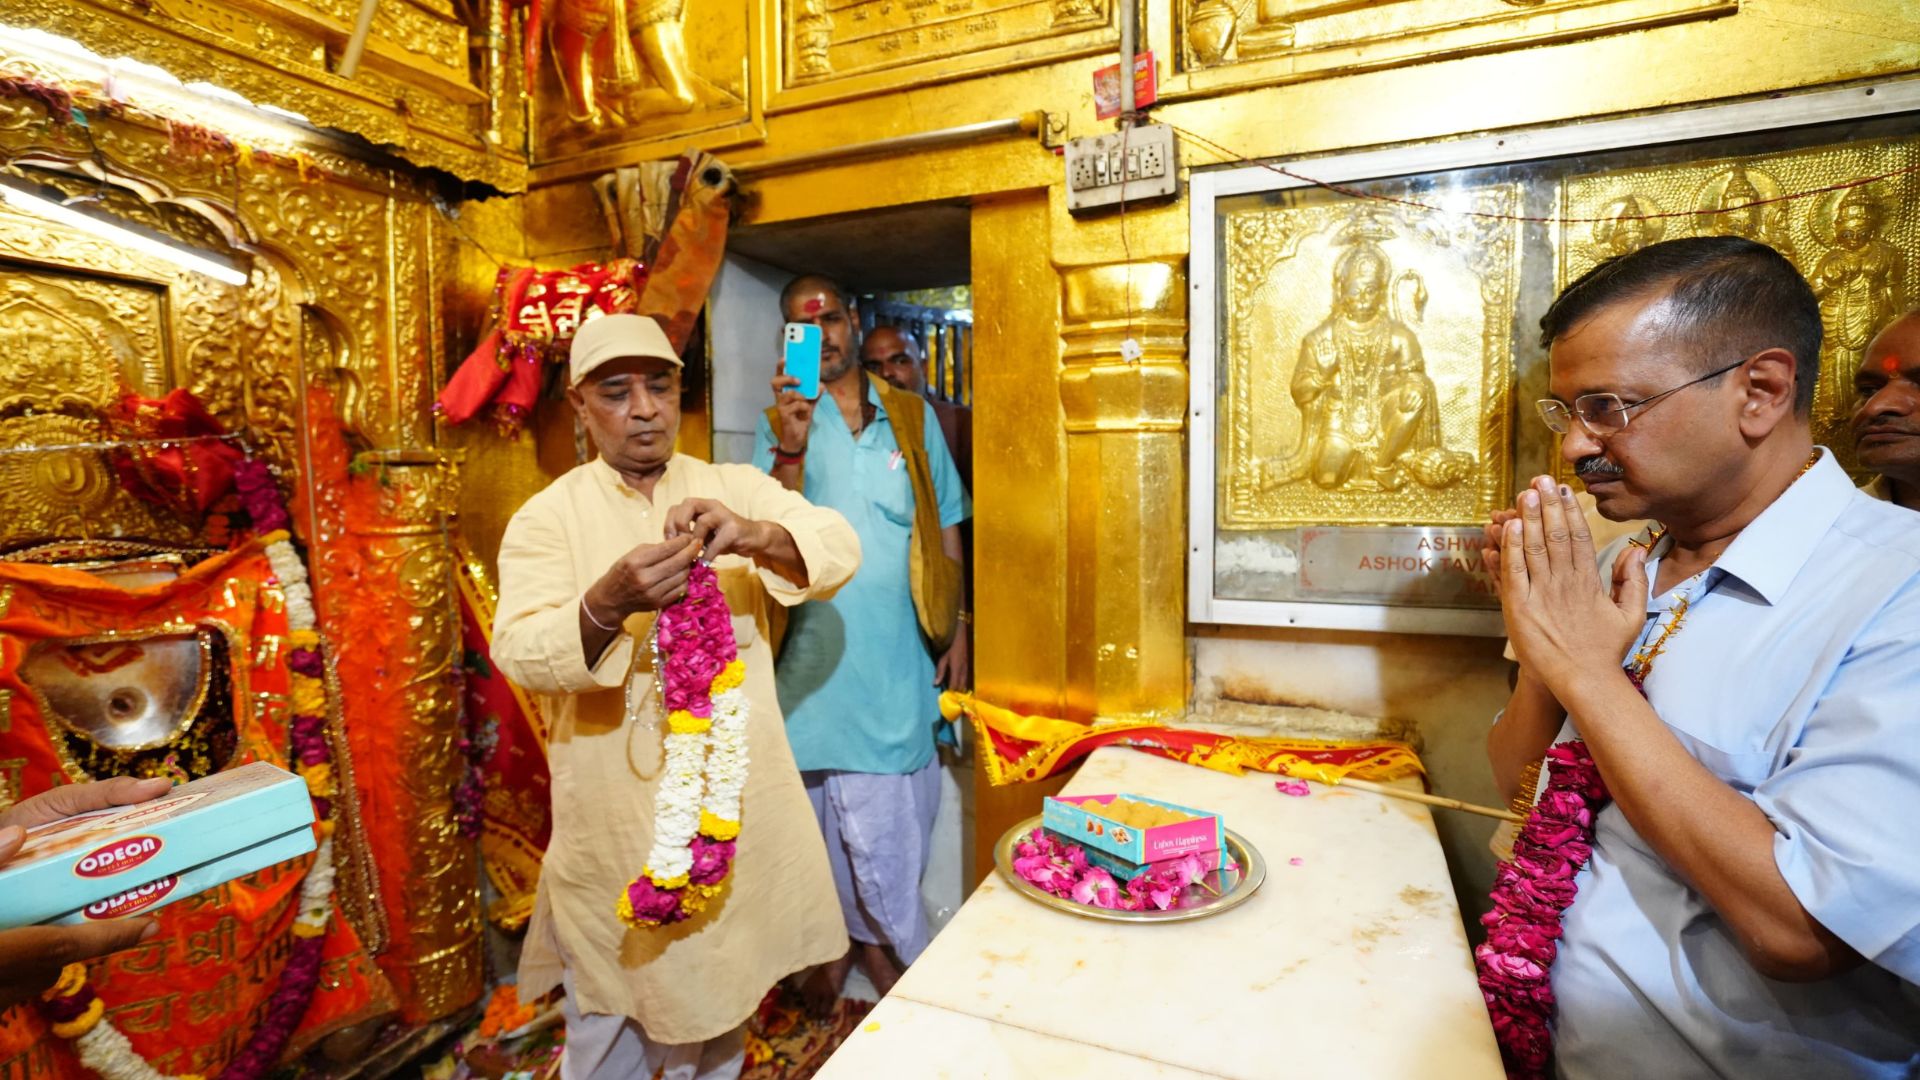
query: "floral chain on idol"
72, 1008
696, 812
1533, 889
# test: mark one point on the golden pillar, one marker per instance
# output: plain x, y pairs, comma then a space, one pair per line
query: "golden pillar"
436, 944
1079, 544
1123, 391
1020, 492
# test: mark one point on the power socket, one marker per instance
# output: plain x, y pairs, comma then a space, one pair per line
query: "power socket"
1137, 164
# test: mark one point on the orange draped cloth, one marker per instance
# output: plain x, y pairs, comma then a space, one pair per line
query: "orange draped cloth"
189, 998
1017, 749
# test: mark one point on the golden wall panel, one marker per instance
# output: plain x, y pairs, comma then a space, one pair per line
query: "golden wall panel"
681, 68
834, 39
70, 495
831, 50
413, 92
71, 340
1368, 353
1850, 244
1224, 42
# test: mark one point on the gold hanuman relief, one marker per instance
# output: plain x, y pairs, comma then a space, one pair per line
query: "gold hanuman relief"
1847, 242
1366, 360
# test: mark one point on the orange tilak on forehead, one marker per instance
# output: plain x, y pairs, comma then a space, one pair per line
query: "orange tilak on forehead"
1890, 364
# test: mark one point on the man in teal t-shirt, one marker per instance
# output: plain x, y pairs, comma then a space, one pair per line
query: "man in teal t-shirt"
856, 681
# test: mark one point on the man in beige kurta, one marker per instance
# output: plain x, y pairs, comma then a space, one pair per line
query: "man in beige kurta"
672, 997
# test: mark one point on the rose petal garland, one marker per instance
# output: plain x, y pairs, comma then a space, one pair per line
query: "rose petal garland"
71, 1007
1531, 893
696, 814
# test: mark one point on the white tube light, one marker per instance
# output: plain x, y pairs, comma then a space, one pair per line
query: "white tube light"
120, 231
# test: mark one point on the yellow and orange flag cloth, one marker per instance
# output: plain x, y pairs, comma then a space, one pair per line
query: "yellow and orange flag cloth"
1018, 749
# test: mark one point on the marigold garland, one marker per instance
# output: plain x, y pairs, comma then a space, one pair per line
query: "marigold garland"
700, 676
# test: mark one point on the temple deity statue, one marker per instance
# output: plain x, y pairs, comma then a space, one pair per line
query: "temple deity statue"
1627, 224
1735, 203
647, 34
1857, 280
1369, 415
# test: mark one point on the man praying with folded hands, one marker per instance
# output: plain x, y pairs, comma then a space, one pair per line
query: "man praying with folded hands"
1745, 677
585, 567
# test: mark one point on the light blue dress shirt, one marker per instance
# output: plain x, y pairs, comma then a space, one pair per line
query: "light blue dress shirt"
1795, 678
854, 676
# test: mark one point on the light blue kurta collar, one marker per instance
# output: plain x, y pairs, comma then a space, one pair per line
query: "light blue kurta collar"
1771, 551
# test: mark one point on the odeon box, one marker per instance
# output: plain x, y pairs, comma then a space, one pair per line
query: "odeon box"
130, 860
1127, 849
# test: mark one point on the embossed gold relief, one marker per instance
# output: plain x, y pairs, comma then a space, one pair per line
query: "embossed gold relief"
1628, 224
1859, 277
1295, 39
414, 91
634, 70
69, 494
837, 39
71, 341
1724, 206
1367, 354
1847, 242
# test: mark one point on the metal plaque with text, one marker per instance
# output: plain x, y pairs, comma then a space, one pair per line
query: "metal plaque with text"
1425, 567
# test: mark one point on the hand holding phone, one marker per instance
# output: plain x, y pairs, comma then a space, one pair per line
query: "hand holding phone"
802, 342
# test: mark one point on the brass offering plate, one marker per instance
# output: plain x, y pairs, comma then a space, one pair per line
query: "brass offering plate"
1233, 885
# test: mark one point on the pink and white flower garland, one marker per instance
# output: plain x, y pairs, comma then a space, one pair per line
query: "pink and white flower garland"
1531, 893
1060, 868
696, 817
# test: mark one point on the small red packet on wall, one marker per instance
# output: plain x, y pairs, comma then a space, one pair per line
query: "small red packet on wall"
1106, 86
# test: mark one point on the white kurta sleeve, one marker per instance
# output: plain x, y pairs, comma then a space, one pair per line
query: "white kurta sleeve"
536, 629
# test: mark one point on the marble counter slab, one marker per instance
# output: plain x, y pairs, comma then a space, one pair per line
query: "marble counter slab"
1349, 962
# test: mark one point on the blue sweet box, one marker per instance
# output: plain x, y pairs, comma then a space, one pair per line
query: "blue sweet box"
130, 860
1128, 849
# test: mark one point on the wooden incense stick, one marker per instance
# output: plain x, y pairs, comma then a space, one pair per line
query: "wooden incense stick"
1432, 800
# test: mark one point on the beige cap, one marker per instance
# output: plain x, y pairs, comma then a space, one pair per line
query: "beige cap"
611, 337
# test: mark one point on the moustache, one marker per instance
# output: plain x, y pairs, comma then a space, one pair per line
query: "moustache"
1597, 467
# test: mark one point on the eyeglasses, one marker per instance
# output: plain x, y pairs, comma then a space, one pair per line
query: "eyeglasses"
1606, 414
